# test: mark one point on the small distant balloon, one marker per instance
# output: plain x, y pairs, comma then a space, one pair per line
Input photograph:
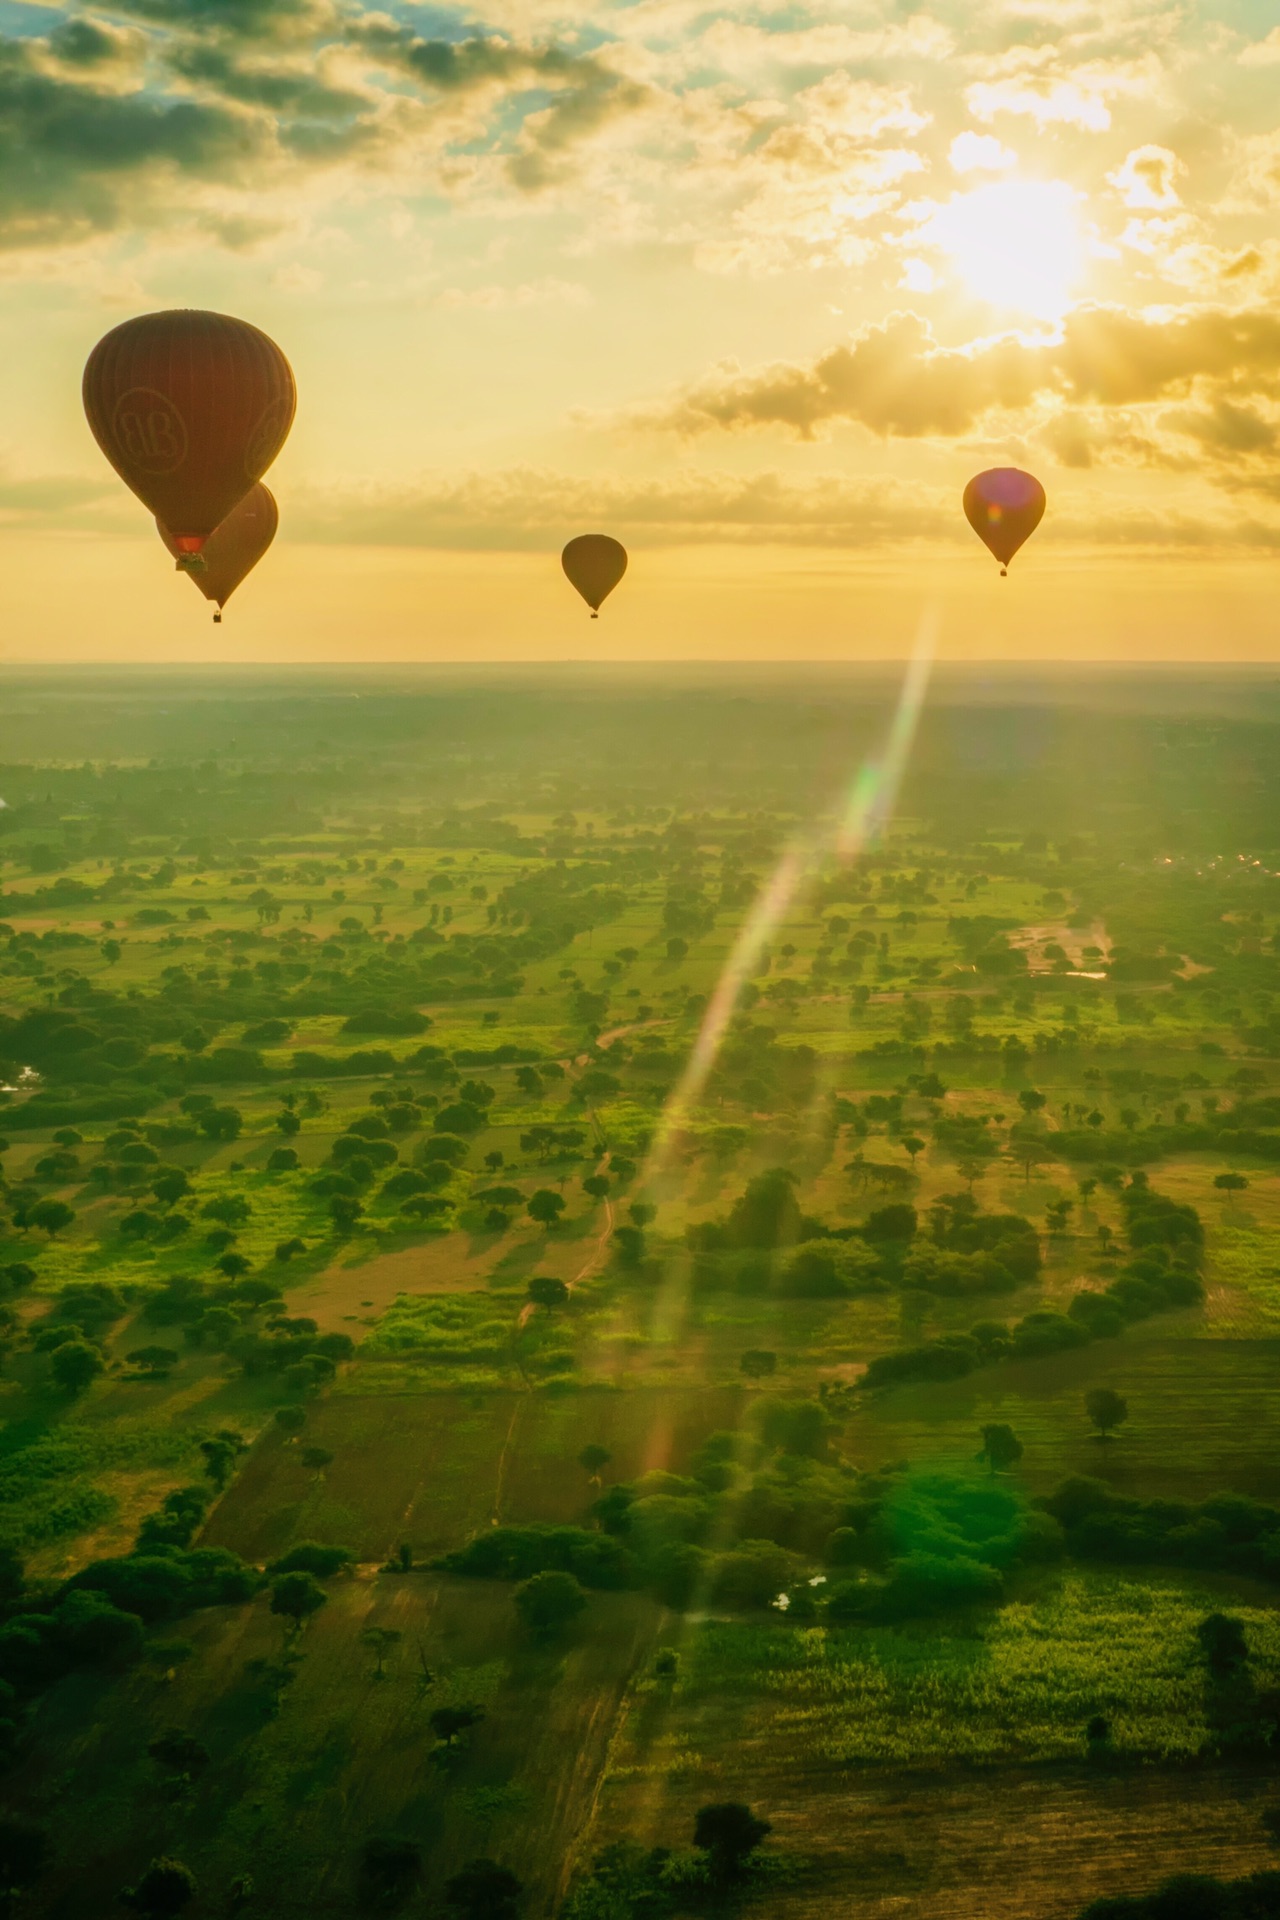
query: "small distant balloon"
1004, 506
594, 564
190, 408
234, 548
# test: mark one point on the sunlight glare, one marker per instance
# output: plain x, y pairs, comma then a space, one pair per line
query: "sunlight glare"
1015, 243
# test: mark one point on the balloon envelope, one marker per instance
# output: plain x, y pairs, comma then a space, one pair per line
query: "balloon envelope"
190, 408
1004, 506
594, 564
234, 548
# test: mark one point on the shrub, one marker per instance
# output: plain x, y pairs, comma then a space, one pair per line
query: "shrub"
549, 1602
310, 1557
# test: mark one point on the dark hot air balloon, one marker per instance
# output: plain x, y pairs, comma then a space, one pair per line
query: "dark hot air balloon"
1004, 506
234, 548
190, 408
594, 564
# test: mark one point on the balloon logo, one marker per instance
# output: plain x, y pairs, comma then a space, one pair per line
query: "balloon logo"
190, 408
150, 429
594, 564
233, 549
1004, 506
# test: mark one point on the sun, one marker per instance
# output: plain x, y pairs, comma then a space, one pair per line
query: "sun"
1016, 244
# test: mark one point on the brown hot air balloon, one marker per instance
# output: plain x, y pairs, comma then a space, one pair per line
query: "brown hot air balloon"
232, 549
1004, 506
190, 408
594, 564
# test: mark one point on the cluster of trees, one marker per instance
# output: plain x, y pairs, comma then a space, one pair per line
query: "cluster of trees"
98, 1616
745, 1526
767, 1244
1191, 1896
627, 1881
1167, 1241
1229, 1533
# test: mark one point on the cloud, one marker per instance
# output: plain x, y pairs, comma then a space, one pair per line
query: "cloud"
1038, 84
547, 292
809, 182
735, 45
1263, 53
1146, 179
73, 158
895, 380
980, 152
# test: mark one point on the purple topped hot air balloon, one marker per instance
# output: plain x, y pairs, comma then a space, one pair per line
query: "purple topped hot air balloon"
1004, 506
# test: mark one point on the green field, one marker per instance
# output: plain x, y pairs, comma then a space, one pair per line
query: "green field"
970, 1029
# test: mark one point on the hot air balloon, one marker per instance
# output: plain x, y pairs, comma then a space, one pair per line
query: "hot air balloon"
594, 564
190, 408
232, 549
1004, 506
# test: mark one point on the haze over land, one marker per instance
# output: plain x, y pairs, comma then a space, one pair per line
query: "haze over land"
757, 289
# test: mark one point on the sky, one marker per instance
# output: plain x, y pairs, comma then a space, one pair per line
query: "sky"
755, 289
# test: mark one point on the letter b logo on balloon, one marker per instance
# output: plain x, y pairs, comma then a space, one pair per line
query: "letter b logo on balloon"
149, 430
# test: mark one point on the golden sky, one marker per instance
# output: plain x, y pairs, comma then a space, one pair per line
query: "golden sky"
754, 288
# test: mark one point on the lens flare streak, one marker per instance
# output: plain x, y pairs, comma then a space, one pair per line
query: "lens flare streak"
865, 814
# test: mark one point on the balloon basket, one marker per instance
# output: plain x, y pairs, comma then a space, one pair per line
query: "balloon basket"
217, 619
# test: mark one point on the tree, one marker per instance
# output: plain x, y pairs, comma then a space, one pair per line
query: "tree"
165, 1889
155, 1361
482, 1890
1106, 1409
757, 1362
545, 1206
1222, 1642
286, 1249
220, 1455
1029, 1146
729, 1834
643, 1213
316, 1459
180, 1752
391, 1864
546, 1291
24, 1850
380, 1641
1031, 1101
1230, 1183
13, 1578
597, 1185
449, 1723
169, 1185
549, 1602
234, 1265
912, 1144
74, 1364
594, 1459
291, 1419
344, 1211
1001, 1447
228, 1209
50, 1216
296, 1596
